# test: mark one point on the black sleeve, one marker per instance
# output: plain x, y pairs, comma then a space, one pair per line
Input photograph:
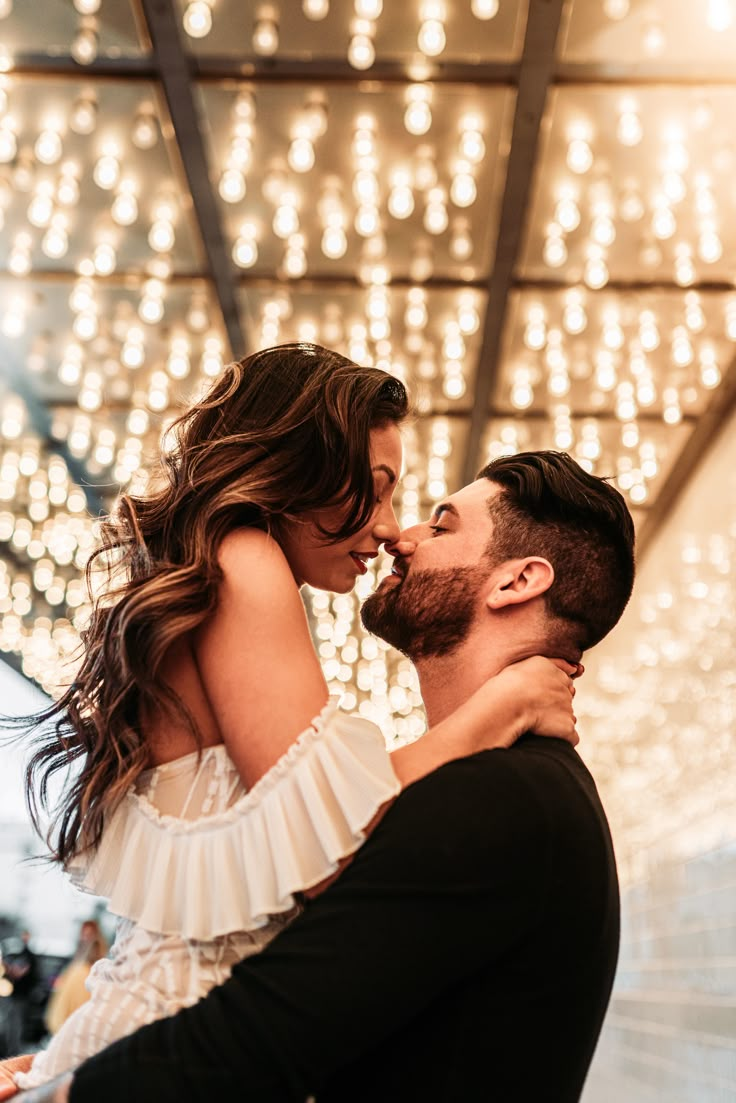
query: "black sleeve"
450, 877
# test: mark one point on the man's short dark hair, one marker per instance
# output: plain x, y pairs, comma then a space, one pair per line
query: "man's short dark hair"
551, 507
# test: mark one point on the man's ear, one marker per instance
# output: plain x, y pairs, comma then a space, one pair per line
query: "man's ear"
519, 580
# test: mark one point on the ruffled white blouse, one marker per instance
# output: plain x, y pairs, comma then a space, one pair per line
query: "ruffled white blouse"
202, 873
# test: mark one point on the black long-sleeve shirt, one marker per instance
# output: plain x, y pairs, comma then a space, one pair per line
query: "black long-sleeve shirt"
467, 953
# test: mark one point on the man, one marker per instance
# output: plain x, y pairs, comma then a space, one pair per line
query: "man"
22, 971
468, 951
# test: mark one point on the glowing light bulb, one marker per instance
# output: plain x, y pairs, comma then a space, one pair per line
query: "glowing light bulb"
616, 9
145, 130
484, 9
161, 236
368, 9
55, 241
664, 224
83, 117
555, 251
266, 37
334, 243
367, 221
720, 15
361, 51
579, 156
630, 131
596, 272
48, 147
567, 214
431, 39
418, 116
301, 155
654, 39
104, 259
463, 190
8, 143
574, 318
106, 172
232, 186
710, 247
285, 220
85, 43
87, 7
124, 210
245, 250
316, 9
461, 243
198, 19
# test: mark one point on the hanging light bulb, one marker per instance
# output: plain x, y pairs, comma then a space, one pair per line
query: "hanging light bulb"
197, 20
361, 51
106, 171
85, 43
232, 185
87, 7
245, 250
418, 114
144, 134
316, 9
124, 210
48, 147
720, 15
484, 9
266, 32
579, 156
83, 117
463, 189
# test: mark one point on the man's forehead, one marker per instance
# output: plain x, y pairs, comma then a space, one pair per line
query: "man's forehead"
472, 501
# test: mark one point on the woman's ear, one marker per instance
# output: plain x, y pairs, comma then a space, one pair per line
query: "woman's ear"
519, 580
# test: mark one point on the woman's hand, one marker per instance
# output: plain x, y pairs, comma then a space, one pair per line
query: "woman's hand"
543, 691
8, 1069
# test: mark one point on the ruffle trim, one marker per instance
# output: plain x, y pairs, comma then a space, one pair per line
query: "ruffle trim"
233, 870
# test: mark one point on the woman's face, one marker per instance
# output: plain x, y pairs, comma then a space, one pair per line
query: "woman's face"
335, 567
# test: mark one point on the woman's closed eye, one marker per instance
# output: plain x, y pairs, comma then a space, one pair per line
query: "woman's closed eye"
435, 529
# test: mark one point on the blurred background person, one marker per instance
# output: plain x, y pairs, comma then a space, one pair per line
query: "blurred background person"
21, 969
70, 991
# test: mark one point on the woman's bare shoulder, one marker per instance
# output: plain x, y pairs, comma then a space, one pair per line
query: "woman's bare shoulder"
246, 550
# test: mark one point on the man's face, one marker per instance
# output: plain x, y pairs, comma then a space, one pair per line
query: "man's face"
427, 605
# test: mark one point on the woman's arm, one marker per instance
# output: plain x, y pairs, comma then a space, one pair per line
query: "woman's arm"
533, 695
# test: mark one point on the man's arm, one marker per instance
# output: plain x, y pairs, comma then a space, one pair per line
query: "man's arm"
452, 876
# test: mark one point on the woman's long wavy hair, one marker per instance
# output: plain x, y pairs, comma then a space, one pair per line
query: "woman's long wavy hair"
280, 434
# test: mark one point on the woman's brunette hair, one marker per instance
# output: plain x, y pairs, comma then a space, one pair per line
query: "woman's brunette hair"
281, 433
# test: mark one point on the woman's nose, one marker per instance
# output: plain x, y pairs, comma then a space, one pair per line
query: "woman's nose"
386, 527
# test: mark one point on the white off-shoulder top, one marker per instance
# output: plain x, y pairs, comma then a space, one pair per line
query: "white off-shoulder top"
202, 873
189, 851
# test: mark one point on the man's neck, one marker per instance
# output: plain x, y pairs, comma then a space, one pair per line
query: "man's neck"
447, 682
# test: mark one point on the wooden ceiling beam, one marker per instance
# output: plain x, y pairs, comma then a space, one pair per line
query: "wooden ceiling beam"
176, 76
535, 74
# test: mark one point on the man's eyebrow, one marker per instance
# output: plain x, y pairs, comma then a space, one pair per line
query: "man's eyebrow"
388, 471
445, 507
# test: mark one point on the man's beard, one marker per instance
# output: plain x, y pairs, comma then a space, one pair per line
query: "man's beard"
429, 613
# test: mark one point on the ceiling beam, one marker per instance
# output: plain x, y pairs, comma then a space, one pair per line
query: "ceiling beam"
535, 73
175, 73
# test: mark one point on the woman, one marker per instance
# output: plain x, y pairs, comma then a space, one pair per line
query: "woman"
199, 808
70, 987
